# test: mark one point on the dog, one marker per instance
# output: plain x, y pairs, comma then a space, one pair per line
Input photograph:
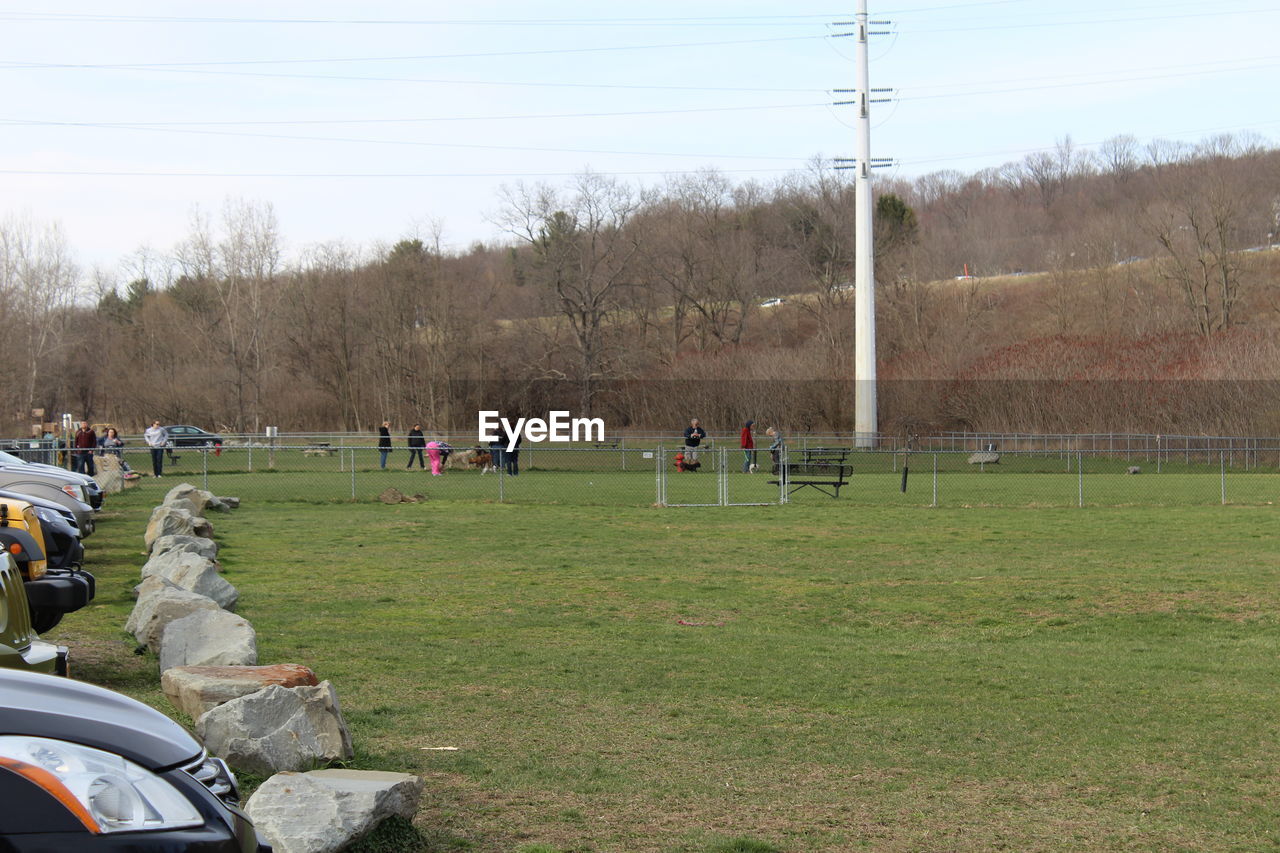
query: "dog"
481, 458
683, 466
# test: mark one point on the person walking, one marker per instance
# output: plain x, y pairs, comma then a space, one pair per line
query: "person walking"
417, 441
86, 442
748, 442
384, 443
156, 438
693, 436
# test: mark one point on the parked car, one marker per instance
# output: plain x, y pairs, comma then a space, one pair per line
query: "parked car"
42, 484
92, 491
85, 769
772, 302
51, 592
20, 647
184, 435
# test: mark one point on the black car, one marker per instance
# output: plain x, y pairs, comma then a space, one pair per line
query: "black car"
183, 435
85, 769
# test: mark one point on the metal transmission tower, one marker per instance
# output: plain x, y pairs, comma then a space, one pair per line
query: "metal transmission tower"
866, 420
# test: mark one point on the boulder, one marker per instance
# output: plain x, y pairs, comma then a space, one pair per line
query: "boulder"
192, 572
196, 689
208, 638
159, 603
328, 810
206, 548
392, 495
984, 457
199, 500
1133, 469
169, 521
110, 473
278, 728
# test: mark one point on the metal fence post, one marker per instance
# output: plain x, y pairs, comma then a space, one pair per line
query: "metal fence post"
1079, 481
935, 479
1222, 468
204, 458
353, 472
502, 482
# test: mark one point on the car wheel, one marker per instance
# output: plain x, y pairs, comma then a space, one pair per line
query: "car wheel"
43, 619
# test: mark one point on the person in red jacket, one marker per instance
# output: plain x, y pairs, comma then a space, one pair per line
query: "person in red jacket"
748, 449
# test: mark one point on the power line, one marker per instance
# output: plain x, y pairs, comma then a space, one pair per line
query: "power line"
396, 142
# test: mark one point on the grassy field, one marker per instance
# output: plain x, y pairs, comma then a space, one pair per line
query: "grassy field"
819, 676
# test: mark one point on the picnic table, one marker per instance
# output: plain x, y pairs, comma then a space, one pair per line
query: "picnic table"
825, 469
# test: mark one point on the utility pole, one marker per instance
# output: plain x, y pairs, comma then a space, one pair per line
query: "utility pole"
865, 418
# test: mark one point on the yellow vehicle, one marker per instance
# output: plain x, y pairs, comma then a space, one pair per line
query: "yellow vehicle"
22, 515
50, 592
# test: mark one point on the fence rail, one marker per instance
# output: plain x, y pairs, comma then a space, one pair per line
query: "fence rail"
991, 475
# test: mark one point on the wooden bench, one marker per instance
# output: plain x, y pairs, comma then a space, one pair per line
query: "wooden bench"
825, 469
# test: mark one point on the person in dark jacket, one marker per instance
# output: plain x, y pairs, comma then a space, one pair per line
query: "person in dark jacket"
86, 441
693, 436
384, 443
511, 458
417, 443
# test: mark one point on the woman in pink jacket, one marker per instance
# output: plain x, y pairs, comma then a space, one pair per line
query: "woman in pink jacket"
433, 453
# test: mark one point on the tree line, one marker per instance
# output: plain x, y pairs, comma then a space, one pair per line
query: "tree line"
1105, 271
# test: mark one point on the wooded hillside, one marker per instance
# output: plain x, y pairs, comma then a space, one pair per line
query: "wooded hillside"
1129, 289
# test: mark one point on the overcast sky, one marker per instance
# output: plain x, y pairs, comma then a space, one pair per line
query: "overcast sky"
364, 122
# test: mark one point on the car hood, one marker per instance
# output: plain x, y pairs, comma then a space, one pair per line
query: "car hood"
54, 471
40, 502
49, 706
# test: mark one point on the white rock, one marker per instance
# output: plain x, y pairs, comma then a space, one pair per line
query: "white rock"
167, 521
278, 728
328, 810
159, 603
195, 544
192, 572
208, 638
199, 500
198, 689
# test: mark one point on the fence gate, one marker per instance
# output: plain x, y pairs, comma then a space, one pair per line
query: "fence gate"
717, 481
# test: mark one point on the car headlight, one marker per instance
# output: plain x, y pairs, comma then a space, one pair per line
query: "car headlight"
105, 792
47, 516
74, 491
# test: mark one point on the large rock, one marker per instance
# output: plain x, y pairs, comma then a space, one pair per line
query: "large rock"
186, 495
193, 572
328, 810
206, 548
196, 689
159, 603
208, 638
170, 521
278, 728
109, 474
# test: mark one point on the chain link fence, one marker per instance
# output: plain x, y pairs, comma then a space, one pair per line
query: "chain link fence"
617, 475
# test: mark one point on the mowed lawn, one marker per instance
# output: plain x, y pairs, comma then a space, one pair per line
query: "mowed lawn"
817, 676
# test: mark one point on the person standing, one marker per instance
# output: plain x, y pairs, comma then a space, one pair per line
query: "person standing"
417, 441
693, 436
384, 443
748, 442
511, 458
86, 441
156, 438
776, 449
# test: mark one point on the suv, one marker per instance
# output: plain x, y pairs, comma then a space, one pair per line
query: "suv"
20, 648
85, 769
182, 435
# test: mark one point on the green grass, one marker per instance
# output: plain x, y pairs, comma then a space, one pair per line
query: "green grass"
819, 676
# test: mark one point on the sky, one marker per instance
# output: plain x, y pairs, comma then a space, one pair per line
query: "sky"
364, 123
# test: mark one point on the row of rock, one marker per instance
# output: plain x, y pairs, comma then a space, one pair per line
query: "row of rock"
264, 719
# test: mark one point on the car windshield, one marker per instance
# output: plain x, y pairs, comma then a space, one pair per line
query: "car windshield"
9, 459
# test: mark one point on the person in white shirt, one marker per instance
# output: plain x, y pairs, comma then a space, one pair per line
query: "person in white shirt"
156, 438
